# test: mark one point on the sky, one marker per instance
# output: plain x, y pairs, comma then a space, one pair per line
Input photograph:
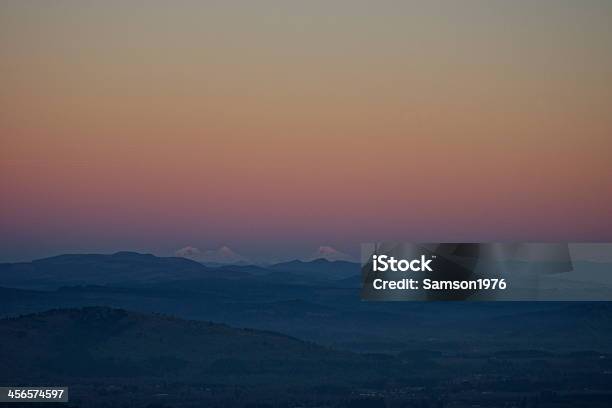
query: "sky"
275, 127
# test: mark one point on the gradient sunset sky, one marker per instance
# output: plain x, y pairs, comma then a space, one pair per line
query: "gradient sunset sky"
278, 126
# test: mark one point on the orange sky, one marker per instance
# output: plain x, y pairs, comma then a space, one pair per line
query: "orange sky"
283, 125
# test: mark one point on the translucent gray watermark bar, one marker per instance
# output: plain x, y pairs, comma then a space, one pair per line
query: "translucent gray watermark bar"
393, 271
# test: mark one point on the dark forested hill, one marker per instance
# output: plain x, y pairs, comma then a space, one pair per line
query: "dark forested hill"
99, 343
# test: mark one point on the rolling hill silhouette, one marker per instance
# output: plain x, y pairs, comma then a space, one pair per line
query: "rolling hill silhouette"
121, 267
100, 342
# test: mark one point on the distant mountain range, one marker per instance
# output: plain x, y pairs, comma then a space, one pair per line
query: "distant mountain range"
317, 300
99, 269
135, 268
227, 256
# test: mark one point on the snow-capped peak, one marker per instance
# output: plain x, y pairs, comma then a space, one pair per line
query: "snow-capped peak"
329, 253
223, 255
188, 252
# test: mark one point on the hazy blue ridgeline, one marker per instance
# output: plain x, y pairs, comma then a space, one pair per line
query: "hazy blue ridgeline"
523, 347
